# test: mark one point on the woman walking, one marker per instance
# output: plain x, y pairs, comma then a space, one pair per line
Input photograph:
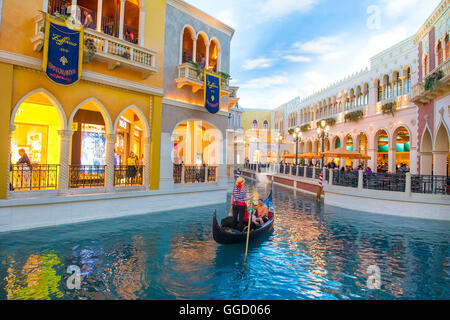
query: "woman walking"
238, 199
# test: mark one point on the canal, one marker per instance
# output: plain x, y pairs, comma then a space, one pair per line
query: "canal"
313, 253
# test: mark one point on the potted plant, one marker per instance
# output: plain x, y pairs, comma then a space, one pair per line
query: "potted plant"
433, 79
389, 108
354, 116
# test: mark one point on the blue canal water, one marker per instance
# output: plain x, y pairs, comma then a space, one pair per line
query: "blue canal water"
313, 253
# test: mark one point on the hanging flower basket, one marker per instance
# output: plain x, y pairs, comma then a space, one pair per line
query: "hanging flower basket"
305, 128
330, 122
389, 108
433, 79
354, 116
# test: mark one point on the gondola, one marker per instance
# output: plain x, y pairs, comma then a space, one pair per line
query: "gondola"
230, 236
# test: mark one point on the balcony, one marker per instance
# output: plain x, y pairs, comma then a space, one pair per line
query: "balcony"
233, 99
187, 76
421, 96
111, 50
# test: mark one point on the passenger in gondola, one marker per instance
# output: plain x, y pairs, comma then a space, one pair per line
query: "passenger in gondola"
238, 199
261, 214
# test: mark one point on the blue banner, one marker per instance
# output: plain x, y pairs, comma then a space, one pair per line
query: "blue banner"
212, 92
63, 52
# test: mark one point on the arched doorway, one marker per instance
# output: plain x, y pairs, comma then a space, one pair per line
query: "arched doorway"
441, 152
214, 55
426, 153
90, 124
196, 152
382, 143
337, 143
402, 149
362, 147
130, 154
36, 143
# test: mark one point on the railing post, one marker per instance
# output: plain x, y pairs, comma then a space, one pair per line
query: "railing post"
314, 173
183, 174
360, 180
206, 174
330, 178
408, 184
304, 171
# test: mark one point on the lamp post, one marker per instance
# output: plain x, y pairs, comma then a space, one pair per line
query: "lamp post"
279, 139
322, 132
297, 135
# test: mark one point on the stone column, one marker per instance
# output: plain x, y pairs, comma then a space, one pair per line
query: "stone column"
99, 15
360, 180
391, 158
121, 18
413, 160
8, 176
408, 184
63, 175
372, 163
109, 178
194, 49
147, 164
166, 162
141, 25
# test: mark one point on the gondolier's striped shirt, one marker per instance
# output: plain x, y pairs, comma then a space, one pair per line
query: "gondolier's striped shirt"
239, 197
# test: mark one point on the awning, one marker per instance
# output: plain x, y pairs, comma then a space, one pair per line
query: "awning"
344, 153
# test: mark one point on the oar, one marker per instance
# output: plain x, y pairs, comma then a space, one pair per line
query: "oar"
248, 237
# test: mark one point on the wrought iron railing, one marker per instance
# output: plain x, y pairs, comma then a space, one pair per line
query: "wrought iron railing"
317, 173
301, 171
282, 168
194, 174
309, 172
384, 181
212, 174
82, 176
428, 184
25, 177
327, 175
294, 170
345, 179
58, 6
177, 173
125, 176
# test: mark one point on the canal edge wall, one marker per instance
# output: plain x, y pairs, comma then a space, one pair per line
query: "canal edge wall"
22, 214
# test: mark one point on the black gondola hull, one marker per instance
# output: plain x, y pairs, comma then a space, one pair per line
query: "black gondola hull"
223, 236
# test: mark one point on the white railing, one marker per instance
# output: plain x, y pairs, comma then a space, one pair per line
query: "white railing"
187, 73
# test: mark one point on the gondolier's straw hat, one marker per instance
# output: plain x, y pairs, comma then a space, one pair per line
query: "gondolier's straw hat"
240, 180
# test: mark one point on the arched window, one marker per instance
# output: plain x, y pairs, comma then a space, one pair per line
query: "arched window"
379, 90
447, 46
439, 52
397, 84
187, 52
425, 66
407, 81
266, 124
214, 55
255, 124
201, 54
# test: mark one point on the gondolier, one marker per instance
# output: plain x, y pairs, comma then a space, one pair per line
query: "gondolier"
238, 199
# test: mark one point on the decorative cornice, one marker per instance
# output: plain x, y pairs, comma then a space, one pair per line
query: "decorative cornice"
432, 19
98, 78
202, 16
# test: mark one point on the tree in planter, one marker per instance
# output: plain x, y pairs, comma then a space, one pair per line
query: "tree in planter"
354, 116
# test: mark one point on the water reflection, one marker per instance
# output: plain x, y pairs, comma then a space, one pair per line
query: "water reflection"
314, 252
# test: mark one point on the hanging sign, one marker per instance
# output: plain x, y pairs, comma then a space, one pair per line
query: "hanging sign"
212, 92
63, 51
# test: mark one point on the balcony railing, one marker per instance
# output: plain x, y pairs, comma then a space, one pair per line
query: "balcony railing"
81, 176
194, 174
111, 50
428, 184
25, 177
126, 176
421, 96
187, 75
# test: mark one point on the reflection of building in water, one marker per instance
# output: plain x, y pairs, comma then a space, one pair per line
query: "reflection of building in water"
112, 273
36, 281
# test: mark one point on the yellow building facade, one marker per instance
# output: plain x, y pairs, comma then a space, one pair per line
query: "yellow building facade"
83, 135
